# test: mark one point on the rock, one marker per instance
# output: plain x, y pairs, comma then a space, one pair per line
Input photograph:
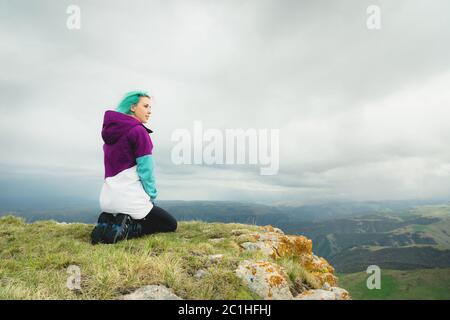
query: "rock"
216, 239
275, 245
266, 279
215, 257
315, 263
341, 294
316, 294
253, 246
269, 228
326, 286
200, 274
269, 237
333, 293
152, 292
278, 230
281, 244
319, 268
323, 277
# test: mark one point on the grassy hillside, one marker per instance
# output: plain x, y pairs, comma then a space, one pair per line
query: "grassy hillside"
395, 284
413, 239
34, 261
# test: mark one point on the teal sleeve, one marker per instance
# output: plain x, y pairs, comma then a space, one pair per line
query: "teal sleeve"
145, 168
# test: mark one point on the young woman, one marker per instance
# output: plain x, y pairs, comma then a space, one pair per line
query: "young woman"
129, 191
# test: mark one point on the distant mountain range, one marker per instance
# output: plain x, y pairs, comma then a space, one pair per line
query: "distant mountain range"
82, 210
408, 239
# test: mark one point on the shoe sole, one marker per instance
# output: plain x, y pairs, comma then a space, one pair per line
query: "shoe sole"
99, 230
112, 233
97, 233
137, 232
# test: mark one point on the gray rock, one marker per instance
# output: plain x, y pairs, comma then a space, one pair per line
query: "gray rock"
266, 279
278, 230
316, 294
152, 292
200, 274
260, 245
215, 257
341, 294
326, 286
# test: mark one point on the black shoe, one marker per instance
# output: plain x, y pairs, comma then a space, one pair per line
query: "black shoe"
100, 228
118, 230
135, 229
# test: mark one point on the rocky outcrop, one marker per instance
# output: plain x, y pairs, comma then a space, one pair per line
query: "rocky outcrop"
269, 280
265, 277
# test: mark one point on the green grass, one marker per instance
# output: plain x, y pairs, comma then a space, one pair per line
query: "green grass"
34, 259
421, 284
438, 231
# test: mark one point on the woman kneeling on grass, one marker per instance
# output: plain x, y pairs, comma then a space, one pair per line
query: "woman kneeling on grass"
128, 192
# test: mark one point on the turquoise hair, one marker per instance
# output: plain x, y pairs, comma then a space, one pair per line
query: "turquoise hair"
131, 98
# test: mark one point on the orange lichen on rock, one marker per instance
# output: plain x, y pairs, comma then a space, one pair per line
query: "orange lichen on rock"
276, 280
328, 266
268, 228
262, 263
270, 280
325, 277
316, 264
292, 246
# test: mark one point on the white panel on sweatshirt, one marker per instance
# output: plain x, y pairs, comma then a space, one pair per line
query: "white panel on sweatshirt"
124, 193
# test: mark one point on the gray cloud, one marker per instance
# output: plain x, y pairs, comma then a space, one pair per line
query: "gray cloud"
361, 113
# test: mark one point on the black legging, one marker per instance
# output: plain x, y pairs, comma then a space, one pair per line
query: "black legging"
158, 220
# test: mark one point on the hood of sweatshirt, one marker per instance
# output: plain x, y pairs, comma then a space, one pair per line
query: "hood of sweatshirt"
117, 124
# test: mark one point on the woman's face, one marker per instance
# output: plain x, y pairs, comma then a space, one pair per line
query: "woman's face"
142, 109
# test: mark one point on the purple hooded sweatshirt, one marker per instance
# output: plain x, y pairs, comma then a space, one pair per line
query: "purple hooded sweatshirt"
129, 183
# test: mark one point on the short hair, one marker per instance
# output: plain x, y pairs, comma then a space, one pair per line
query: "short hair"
130, 99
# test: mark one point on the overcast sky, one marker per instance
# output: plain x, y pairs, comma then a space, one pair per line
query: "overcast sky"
363, 114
